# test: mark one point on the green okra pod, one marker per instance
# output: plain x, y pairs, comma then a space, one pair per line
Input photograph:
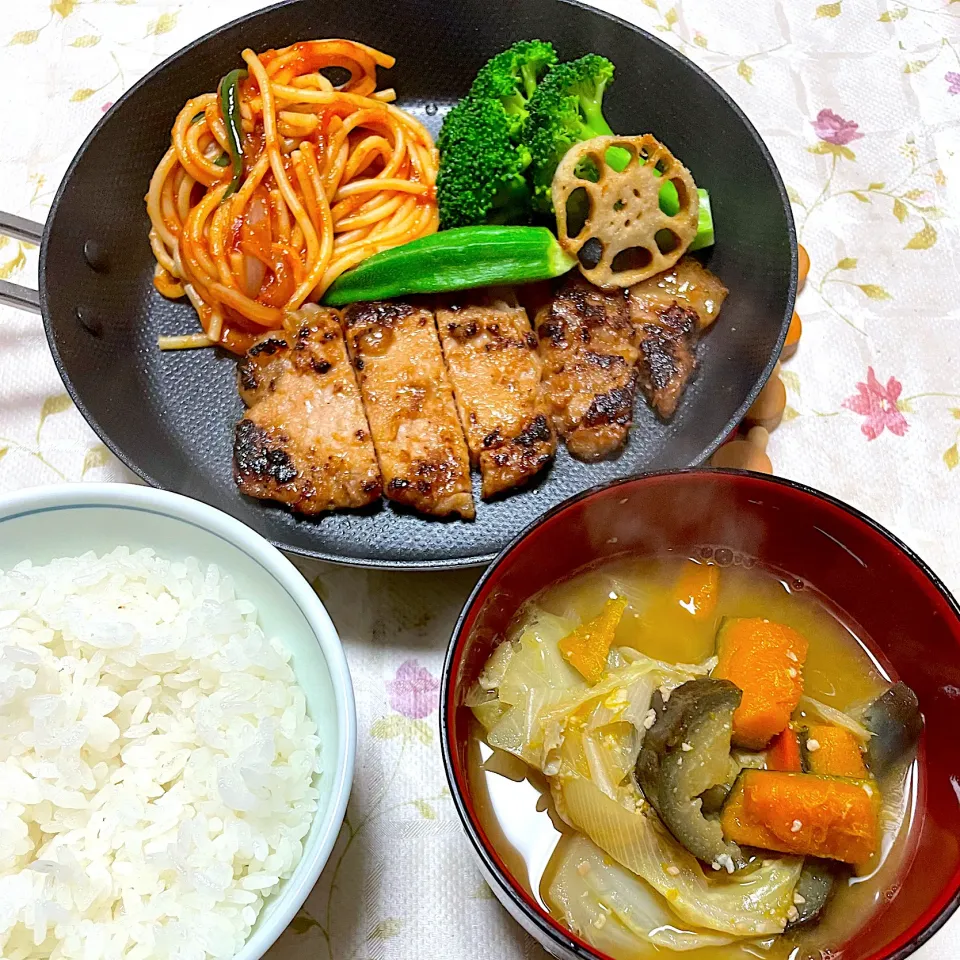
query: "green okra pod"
457, 259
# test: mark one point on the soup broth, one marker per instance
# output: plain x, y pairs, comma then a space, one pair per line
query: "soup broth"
513, 800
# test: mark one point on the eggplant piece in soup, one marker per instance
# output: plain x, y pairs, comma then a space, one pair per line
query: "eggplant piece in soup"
684, 754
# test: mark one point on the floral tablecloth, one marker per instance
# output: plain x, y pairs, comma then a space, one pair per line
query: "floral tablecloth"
859, 100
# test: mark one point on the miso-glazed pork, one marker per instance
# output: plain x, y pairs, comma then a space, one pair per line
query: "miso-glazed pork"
689, 284
495, 368
391, 399
670, 310
304, 439
588, 345
409, 402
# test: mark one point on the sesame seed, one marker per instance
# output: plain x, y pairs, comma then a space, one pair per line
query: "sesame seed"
796, 826
679, 761
793, 914
665, 693
600, 921
613, 540
813, 745
650, 719
798, 899
685, 747
792, 673
792, 656
726, 862
612, 594
868, 790
673, 871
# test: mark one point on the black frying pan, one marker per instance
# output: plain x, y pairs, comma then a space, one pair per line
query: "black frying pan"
170, 416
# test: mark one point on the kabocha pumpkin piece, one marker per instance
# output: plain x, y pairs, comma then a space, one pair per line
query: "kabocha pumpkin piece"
800, 813
587, 647
784, 753
680, 622
765, 660
611, 220
697, 589
832, 752
684, 753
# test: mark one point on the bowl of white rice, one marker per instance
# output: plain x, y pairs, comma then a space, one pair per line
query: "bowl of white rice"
177, 729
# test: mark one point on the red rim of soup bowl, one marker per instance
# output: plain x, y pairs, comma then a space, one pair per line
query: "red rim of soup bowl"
593, 526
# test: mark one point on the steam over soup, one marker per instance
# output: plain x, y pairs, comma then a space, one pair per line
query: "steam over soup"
694, 755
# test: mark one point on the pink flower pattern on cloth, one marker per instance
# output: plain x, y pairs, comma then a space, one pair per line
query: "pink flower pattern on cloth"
878, 404
414, 692
832, 128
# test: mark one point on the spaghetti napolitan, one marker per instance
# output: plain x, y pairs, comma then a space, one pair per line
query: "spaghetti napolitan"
329, 175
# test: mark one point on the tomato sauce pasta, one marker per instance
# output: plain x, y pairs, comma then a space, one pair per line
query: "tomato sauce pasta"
328, 176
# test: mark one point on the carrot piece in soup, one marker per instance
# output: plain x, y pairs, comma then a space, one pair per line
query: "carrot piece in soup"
833, 752
784, 752
698, 589
587, 647
765, 660
804, 814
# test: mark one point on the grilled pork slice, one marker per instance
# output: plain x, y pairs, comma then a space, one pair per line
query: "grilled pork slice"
589, 350
667, 358
688, 283
419, 443
669, 311
304, 439
492, 359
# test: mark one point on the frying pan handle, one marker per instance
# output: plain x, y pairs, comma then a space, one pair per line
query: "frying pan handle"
12, 294
23, 298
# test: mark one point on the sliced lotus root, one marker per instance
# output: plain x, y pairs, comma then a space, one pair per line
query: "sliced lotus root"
612, 221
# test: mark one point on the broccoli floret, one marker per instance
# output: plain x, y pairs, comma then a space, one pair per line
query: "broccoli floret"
512, 77
566, 108
481, 175
482, 154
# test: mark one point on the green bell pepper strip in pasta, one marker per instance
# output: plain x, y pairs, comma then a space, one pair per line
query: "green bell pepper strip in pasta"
230, 108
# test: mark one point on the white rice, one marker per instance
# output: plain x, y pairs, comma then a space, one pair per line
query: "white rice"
157, 765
